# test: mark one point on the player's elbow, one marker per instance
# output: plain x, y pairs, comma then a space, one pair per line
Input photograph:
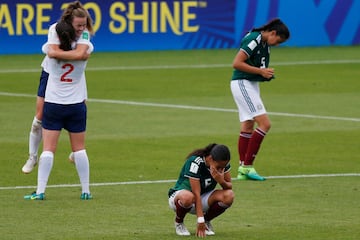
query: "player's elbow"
238, 65
235, 65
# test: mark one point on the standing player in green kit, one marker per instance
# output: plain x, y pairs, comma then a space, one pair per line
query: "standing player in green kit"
251, 66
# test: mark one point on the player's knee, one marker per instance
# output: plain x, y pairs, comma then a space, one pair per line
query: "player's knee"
265, 126
228, 197
268, 126
36, 127
187, 198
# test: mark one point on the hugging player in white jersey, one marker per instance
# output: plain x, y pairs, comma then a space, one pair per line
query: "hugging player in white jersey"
82, 36
65, 96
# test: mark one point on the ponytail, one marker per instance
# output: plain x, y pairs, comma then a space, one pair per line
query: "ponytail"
202, 152
275, 25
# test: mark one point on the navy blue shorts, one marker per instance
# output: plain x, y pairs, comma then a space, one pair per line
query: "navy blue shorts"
71, 117
42, 84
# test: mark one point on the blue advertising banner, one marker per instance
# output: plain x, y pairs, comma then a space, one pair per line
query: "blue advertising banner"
184, 24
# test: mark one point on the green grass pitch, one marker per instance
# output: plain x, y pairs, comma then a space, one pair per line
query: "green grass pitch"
147, 110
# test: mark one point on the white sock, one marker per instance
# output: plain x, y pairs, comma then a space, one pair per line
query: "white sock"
35, 137
83, 169
45, 166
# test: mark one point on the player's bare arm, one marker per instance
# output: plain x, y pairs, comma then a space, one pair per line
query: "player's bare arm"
196, 190
79, 53
227, 184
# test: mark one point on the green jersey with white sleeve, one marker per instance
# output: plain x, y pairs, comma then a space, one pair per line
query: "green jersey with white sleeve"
196, 168
258, 53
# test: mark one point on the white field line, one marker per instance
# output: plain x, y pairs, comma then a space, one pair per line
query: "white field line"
193, 66
172, 181
194, 107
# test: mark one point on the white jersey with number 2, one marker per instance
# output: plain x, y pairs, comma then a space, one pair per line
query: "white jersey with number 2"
66, 83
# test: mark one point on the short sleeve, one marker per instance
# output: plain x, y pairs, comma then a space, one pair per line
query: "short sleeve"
91, 48
84, 38
192, 167
250, 42
53, 38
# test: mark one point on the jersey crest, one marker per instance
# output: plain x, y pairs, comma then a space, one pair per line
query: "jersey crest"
252, 45
194, 168
85, 35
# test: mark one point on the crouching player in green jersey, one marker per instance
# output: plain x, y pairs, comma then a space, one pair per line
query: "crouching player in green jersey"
195, 191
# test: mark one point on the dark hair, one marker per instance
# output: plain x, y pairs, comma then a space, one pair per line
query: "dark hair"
220, 153
66, 35
217, 151
76, 9
277, 25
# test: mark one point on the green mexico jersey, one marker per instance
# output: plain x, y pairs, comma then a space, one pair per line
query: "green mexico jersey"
258, 56
195, 167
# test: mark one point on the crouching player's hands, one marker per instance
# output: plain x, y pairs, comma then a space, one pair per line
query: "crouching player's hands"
200, 230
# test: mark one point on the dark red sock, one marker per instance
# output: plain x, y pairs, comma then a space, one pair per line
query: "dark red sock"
254, 146
243, 143
180, 212
215, 210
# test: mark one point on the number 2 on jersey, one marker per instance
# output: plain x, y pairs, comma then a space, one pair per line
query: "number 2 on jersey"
69, 68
